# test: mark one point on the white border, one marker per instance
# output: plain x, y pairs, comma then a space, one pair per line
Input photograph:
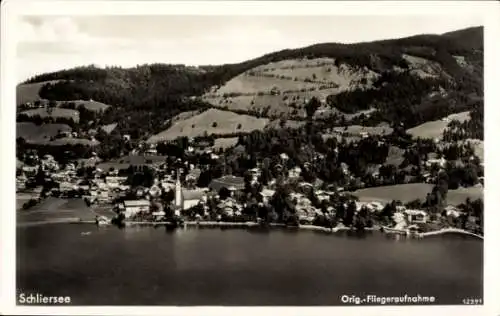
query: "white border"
13, 8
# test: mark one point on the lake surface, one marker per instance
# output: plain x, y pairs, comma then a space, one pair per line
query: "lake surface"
153, 266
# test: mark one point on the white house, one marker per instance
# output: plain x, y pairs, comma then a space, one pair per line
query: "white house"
416, 216
294, 173
132, 207
267, 195
440, 162
115, 182
452, 211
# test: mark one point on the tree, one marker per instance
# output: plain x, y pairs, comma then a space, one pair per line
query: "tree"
224, 193
349, 215
312, 106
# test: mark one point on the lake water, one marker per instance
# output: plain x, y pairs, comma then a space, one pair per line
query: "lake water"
153, 266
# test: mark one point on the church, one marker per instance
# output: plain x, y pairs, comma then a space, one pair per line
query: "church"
186, 199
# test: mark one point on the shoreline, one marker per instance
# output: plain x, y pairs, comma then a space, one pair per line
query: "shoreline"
450, 230
215, 224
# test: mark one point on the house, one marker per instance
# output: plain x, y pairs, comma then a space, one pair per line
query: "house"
294, 173
452, 211
399, 219
193, 175
191, 198
226, 182
267, 195
132, 207
440, 162
30, 170
115, 182
416, 216
255, 172
230, 207
375, 206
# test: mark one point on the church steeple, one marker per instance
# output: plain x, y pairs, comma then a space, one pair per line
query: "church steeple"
179, 201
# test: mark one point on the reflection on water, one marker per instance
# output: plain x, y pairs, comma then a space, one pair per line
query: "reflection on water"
258, 266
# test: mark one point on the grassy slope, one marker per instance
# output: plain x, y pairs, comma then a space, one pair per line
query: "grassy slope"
33, 133
56, 112
227, 123
412, 191
434, 129
28, 92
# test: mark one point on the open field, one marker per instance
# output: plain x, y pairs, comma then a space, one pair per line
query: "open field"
275, 124
54, 113
402, 192
277, 103
456, 197
434, 129
358, 129
109, 128
70, 141
225, 143
252, 84
422, 67
343, 76
29, 92
55, 209
408, 192
93, 106
33, 133
131, 160
212, 121
185, 115
289, 78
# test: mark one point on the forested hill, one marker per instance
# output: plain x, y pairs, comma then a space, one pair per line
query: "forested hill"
143, 97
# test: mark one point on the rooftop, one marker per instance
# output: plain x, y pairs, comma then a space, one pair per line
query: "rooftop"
132, 203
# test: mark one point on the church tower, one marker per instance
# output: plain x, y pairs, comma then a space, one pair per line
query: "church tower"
179, 200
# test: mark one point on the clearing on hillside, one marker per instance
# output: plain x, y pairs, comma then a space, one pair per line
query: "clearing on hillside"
70, 141
280, 85
435, 129
54, 113
358, 130
422, 67
91, 105
109, 128
33, 133
225, 143
29, 92
212, 121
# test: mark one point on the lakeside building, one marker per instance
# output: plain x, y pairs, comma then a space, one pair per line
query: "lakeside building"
132, 207
186, 199
416, 216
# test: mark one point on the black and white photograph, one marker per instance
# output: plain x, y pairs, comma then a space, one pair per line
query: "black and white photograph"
250, 158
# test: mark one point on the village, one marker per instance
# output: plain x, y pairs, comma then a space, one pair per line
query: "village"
147, 188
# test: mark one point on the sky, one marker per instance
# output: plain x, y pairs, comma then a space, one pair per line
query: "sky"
50, 43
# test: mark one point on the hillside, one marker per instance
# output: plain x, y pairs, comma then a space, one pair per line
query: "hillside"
210, 122
30, 92
434, 129
38, 133
411, 80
